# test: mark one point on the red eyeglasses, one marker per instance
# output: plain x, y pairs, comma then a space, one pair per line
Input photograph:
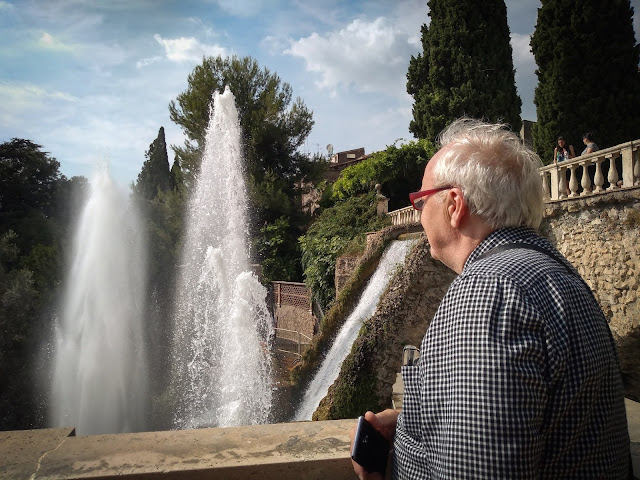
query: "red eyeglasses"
417, 199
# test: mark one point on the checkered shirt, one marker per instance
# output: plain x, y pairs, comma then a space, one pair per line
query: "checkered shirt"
518, 376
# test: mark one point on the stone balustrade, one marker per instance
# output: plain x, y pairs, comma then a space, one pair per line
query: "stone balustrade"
607, 170
610, 169
310, 450
404, 216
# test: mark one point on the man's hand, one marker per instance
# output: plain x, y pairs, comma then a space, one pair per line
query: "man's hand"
385, 423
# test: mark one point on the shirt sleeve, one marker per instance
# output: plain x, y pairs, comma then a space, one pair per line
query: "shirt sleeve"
484, 394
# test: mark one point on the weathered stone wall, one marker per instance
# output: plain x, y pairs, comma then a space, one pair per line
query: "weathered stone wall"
405, 309
345, 266
598, 235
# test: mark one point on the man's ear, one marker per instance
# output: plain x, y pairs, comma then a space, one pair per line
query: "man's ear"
456, 207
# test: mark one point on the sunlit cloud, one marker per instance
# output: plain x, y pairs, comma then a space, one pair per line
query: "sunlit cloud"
49, 42
185, 49
525, 66
26, 93
367, 56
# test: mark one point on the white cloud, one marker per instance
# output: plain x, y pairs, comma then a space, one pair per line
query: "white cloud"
367, 56
30, 94
526, 80
274, 45
521, 49
242, 8
183, 49
49, 42
6, 6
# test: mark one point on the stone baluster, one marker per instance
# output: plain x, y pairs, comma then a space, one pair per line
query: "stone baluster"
546, 187
586, 181
573, 182
554, 183
636, 166
598, 179
562, 184
613, 173
627, 175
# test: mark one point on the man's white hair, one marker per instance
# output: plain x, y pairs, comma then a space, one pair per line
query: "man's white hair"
497, 173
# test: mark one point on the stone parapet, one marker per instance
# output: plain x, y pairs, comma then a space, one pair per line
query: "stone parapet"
309, 450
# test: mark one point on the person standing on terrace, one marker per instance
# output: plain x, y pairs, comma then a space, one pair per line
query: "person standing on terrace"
590, 145
561, 152
518, 374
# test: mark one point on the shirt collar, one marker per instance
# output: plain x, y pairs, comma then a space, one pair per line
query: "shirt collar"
499, 237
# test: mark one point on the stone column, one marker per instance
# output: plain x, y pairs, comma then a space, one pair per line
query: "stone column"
383, 202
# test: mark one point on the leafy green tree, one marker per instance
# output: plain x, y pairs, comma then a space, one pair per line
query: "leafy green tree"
273, 127
331, 235
38, 206
398, 170
19, 302
155, 174
164, 220
588, 78
28, 182
466, 67
278, 251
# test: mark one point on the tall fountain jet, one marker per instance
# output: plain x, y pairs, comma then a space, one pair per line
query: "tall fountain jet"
223, 329
100, 373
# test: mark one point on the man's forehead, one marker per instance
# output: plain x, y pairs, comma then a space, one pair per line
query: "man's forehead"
427, 179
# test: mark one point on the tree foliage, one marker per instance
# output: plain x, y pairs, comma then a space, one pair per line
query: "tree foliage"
274, 126
155, 174
466, 67
397, 169
28, 182
38, 206
331, 235
588, 78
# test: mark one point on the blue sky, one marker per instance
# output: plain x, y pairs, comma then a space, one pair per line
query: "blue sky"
91, 80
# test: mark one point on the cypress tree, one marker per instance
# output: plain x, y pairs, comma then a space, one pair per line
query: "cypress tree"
588, 78
155, 173
466, 67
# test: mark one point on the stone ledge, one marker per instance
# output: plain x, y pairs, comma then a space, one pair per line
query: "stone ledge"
554, 208
312, 450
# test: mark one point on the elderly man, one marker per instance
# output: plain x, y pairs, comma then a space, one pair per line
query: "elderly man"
518, 375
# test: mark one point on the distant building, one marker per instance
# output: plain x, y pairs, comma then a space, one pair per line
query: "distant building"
525, 133
342, 160
337, 162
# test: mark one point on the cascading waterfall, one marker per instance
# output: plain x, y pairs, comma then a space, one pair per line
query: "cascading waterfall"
223, 329
100, 373
393, 257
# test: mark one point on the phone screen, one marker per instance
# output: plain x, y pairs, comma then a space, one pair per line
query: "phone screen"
370, 448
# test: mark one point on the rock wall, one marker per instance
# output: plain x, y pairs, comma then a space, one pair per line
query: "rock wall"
405, 309
598, 235
345, 266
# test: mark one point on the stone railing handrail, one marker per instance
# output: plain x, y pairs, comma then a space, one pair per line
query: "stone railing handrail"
404, 216
310, 450
554, 177
281, 451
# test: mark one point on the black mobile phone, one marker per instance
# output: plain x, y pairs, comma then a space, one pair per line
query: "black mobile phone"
370, 448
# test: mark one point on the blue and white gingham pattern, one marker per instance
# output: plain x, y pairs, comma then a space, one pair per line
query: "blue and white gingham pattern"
518, 376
